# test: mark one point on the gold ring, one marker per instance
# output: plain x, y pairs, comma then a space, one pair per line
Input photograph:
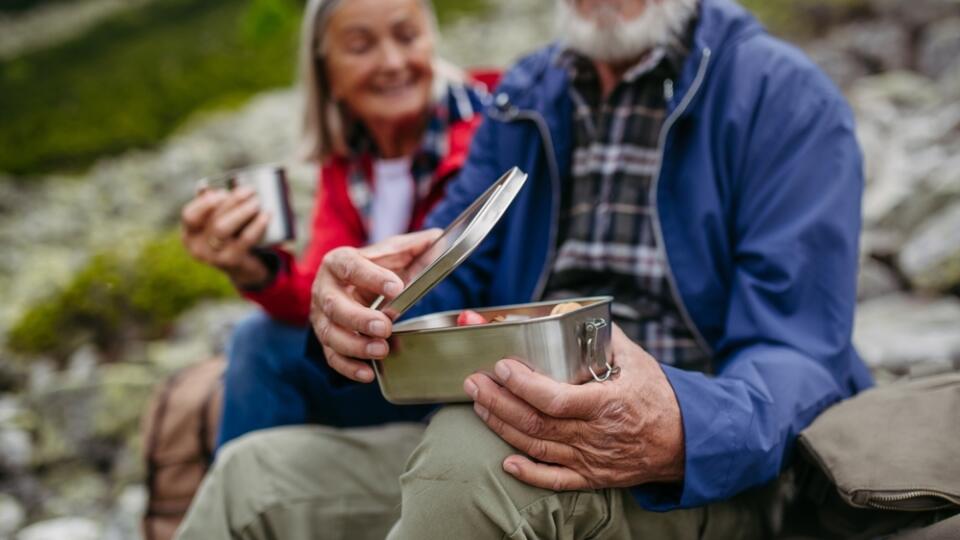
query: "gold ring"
215, 243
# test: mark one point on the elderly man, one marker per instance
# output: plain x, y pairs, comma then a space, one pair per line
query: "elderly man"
681, 160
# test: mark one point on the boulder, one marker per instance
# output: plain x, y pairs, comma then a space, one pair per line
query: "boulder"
875, 279
906, 334
939, 47
67, 528
124, 520
11, 516
74, 489
85, 419
877, 45
915, 13
16, 449
931, 258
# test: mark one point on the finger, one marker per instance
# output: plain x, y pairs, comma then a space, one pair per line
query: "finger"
545, 475
252, 234
350, 267
540, 449
198, 210
348, 343
517, 413
351, 368
235, 198
344, 311
409, 243
228, 224
556, 399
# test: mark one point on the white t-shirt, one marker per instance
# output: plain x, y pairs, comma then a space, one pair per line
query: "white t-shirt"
393, 196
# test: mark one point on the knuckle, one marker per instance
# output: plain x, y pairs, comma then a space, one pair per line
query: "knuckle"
323, 330
557, 483
532, 423
327, 301
537, 449
557, 406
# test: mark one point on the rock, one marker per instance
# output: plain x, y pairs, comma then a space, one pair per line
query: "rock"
877, 45
74, 489
875, 279
939, 47
68, 528
16, 449
43, 373
124, 520
123, 393
82, 365
85, 419
841, 66
11, 516
915, 13
931, 258
903, 89
212, 321
903, 334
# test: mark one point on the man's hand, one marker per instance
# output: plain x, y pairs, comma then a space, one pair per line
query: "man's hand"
620, 433
348, 281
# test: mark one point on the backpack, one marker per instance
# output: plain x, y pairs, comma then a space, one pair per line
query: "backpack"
179, 430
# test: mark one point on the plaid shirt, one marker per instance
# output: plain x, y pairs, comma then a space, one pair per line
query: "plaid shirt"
449, 108
606, 243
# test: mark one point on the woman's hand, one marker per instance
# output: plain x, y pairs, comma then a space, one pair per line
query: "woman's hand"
221, 227
348, 281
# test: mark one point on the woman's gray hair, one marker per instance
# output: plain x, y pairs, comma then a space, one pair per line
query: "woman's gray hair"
325, 127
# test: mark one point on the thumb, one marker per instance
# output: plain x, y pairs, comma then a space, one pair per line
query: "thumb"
398, 252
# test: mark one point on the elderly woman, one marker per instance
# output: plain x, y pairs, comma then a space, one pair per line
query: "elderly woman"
389, 124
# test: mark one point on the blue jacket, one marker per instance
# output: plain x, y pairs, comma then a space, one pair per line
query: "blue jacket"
758, 210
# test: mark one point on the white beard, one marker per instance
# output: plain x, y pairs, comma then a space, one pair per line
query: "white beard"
606, 38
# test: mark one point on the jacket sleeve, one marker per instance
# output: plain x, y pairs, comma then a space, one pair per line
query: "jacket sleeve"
334, 224
785, 353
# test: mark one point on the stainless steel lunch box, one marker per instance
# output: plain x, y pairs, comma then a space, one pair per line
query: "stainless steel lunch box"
430, 356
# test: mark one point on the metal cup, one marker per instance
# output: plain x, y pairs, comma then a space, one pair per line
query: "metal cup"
270, 184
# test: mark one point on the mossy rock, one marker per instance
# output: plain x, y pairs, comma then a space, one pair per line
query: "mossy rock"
116, 297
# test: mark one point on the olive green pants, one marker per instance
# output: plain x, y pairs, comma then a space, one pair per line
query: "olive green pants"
324, 483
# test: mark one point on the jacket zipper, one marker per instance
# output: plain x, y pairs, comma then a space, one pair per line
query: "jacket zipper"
509, 113
657, 227
887, 502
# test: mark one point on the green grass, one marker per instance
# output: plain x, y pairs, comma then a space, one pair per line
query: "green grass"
131, 81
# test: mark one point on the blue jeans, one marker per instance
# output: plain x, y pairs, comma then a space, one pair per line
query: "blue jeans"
269, 382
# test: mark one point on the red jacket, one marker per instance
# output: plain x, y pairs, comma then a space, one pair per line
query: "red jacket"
336, 222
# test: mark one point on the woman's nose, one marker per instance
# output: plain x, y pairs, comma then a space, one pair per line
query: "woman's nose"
391, 56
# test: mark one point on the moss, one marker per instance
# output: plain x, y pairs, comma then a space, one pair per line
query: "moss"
114, 296
132, 80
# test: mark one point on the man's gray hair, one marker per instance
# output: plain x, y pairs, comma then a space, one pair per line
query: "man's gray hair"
325, 126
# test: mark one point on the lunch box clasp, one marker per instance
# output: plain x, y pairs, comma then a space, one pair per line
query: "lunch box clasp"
592, 351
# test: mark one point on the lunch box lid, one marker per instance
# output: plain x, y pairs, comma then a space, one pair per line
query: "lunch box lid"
456, 243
